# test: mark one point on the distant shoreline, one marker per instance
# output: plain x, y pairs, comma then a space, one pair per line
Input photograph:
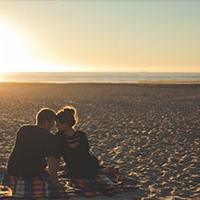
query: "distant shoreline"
105, 83
100, 72
101, 78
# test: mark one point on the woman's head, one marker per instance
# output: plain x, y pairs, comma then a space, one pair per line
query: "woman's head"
66, 117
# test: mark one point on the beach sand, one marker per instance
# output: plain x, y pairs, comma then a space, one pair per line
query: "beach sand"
152, 131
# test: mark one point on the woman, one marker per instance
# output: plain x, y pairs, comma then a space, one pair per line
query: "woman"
73, 146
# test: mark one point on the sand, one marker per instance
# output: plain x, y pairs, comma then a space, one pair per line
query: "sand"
151, 131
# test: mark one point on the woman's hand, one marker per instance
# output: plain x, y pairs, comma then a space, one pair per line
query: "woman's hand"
55, 182
53, 165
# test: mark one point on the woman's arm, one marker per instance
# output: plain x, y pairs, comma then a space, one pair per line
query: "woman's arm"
85, 141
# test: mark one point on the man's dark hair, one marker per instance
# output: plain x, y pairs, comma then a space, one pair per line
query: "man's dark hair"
45, 114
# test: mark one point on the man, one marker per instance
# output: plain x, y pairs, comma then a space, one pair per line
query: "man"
34, 144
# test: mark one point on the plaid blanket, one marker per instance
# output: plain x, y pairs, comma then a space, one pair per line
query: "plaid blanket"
31, 188
104, 183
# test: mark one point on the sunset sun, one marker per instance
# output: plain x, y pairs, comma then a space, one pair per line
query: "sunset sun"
16, 54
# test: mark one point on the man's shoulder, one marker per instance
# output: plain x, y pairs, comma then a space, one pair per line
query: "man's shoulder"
26, 130
25, 127
33, 129
28, 127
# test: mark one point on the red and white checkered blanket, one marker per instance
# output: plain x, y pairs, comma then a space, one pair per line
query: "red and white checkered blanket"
107, 184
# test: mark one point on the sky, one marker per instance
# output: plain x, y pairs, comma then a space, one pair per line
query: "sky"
86, 35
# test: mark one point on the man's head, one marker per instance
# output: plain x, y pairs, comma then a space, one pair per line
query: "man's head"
46, 118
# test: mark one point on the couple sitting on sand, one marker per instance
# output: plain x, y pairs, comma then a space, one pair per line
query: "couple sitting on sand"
36, 147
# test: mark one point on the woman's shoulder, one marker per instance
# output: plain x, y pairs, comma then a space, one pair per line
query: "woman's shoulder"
81, 133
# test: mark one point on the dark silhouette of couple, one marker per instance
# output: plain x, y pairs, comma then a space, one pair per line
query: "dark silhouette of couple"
36, 149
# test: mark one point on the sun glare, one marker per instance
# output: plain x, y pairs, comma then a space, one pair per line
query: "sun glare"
16, 55
13, 52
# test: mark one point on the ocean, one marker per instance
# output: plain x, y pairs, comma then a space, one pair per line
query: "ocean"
91, 77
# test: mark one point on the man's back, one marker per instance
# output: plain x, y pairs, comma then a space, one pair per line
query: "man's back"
32, 145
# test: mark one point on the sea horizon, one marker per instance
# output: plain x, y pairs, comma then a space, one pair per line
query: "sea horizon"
99, 77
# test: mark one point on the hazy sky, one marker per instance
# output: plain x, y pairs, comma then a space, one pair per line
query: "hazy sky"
105, 35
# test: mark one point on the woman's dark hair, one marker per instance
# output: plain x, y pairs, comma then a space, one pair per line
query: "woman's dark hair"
67, 115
